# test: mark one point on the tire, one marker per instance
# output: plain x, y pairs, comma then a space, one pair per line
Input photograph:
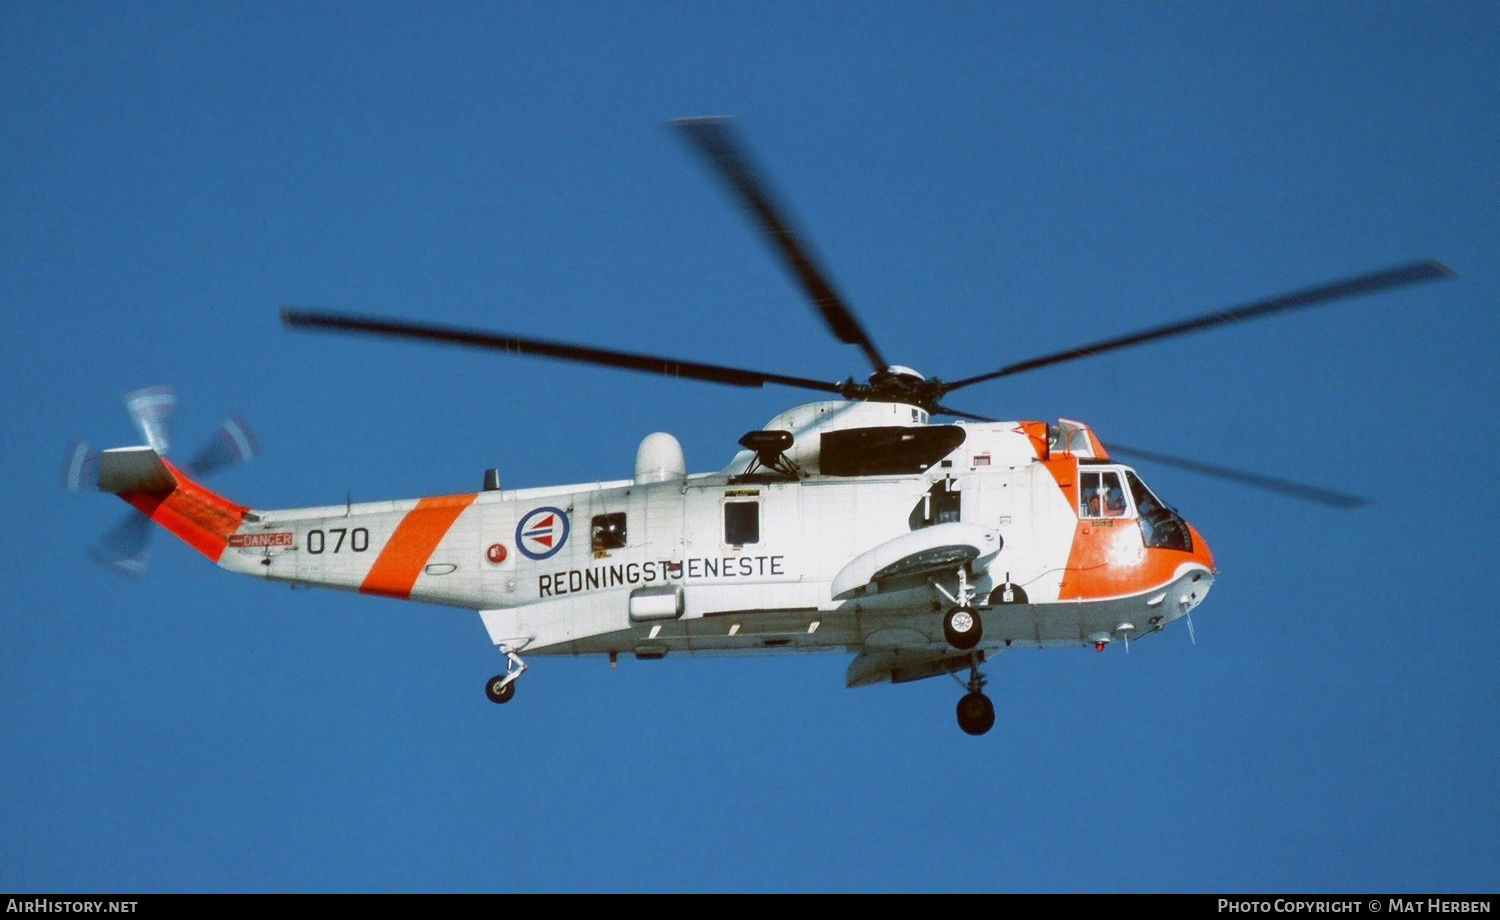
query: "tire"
961, 627
976, 714
498, 693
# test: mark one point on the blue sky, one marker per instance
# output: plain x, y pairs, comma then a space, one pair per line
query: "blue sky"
985, 182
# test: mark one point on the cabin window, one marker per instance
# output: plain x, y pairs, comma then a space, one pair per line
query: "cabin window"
945, 502
608, 531
741, 523
1068, 438
888, 451
1100, 495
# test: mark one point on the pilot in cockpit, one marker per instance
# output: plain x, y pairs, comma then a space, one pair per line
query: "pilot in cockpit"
1114, 500
1104, 499
1088, 501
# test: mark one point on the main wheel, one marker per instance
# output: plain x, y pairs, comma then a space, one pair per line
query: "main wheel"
976, 714
961, 627
498, 690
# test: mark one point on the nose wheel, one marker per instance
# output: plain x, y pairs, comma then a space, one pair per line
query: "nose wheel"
976, 714
502, 687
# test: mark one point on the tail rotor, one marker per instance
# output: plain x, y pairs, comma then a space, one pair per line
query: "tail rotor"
232, 445
127, 546
152, 409
80, 467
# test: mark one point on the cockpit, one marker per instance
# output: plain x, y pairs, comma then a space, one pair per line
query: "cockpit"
1117, 492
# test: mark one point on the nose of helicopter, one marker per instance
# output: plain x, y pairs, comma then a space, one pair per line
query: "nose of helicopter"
1194, 578
1201, 552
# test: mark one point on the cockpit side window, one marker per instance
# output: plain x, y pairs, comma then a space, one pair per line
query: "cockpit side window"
1100, 495
1145, 502
1161, 527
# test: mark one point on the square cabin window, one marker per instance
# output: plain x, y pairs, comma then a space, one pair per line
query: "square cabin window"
608, 531
741, 523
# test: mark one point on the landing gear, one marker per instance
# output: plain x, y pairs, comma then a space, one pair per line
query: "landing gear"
502, 687
976, 714
500, 690
961, 625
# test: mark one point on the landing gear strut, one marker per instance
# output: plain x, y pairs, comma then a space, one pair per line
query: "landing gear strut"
976, 714
961, 625
502, 687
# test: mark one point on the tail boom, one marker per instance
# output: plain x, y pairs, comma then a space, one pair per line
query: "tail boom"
417, 549
160, 491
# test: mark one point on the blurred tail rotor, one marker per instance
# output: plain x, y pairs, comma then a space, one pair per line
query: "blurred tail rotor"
126, 547
233, 444
80, 467
152, 409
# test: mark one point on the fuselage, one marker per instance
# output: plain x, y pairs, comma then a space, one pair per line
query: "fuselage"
747, 559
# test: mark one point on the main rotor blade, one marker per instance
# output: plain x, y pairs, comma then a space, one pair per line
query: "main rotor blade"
1298, 490
670, 367
944, 410
715, 141
1352, 287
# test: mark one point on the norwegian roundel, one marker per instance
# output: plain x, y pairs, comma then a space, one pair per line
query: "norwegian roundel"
542, 532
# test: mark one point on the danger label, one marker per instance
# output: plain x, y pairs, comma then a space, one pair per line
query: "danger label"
253, 540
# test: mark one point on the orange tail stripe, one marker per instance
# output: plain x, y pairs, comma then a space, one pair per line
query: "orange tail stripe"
406, 553
192, 513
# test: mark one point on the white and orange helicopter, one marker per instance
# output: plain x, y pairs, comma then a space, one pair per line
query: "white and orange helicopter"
857, 523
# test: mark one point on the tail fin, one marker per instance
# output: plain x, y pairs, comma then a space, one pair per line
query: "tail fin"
160, 491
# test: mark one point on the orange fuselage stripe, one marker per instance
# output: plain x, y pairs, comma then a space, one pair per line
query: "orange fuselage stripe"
406, 553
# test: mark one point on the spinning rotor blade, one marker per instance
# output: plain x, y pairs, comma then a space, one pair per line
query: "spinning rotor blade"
715, 141
669, 367
232, 444
126, 548
944, 410
80, 467
152, 408
1298, 490
1351, 287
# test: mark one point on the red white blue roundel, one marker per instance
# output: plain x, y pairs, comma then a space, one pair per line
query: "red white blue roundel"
542, 533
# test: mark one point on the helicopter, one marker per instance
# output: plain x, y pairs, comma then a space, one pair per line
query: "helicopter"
879, 521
